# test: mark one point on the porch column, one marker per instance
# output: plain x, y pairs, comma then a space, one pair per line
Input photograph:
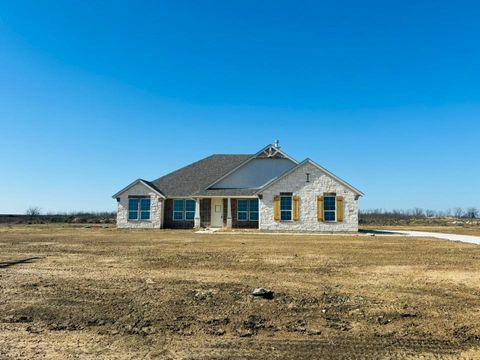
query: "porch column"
229, 213
197, 213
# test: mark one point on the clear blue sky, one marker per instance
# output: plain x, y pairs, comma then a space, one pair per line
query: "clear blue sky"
386, 94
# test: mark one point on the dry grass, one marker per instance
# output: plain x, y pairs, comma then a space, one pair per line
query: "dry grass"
103, 293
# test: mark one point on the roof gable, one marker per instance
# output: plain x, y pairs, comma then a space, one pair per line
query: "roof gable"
146, 183
268, 152
309, 161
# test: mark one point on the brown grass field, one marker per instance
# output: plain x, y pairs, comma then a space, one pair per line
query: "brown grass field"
73, 292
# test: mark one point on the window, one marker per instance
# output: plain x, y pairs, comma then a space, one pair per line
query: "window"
183, 210
329, 208
286, 207
139, 208
145, 209
247, 210
242, 210
253, 210
133, 209
178, 208
189, 209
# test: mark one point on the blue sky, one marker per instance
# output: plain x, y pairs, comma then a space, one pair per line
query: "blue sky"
96, 94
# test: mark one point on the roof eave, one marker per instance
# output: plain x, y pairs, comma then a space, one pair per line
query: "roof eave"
143, 182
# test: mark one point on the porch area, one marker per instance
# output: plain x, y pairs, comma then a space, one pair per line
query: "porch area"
211, 212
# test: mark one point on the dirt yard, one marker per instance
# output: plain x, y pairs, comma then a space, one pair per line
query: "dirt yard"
92, 292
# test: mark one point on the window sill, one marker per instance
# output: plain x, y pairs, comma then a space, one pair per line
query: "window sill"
138, 221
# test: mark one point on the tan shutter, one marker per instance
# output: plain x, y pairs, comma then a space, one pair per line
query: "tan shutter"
339, 209
276, 208
295, 208
320, 208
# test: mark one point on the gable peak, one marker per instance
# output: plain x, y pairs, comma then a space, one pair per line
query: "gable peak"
271, 151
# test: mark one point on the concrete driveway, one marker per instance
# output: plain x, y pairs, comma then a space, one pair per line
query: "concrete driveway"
452, 237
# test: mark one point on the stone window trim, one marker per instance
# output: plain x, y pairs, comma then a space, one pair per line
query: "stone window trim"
139, 210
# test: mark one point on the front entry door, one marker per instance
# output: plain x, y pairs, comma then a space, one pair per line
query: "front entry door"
217, 212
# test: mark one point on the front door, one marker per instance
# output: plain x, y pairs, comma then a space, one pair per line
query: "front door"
217, 212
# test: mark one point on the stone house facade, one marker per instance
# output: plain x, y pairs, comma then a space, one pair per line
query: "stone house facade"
268, 191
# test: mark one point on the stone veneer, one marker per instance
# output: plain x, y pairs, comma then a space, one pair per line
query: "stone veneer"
156, 208
320, 183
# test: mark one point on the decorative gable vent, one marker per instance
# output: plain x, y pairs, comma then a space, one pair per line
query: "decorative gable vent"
272, 152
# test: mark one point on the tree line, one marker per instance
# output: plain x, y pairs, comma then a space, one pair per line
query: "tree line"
419, 213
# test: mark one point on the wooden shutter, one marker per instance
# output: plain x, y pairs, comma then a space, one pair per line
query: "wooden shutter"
295, 208
320, 208
276, 208
339, 209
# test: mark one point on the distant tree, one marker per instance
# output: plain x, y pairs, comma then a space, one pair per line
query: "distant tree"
418, 212
471, 213
33, 211
430, 213
458, 212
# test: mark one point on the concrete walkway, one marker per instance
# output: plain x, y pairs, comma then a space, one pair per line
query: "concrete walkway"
452, 237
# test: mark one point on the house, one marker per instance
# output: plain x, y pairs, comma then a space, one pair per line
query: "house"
268, 190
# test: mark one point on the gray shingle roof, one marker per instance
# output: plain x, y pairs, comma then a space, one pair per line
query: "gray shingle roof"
227, 192
194, 179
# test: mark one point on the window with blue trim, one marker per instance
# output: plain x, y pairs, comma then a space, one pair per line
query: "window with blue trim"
133, 209
145, 209
286, 207
183, 209
253, 209
178, 209
330, 208
139, 208
247, 210
242, 210
189, 209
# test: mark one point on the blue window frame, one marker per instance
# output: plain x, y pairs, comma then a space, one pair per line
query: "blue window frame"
145, 209
247, 210
178, 209
242, 210
189, 209
253, 209
286, 207
139, 208
330, 208
183, 209
133, 209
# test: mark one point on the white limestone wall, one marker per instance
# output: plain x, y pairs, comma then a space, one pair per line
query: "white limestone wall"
320, 183
156, 209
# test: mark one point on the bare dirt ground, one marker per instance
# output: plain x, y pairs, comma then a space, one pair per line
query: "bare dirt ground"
447, 229
92, 292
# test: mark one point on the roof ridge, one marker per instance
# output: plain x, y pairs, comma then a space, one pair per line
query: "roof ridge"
231, 155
